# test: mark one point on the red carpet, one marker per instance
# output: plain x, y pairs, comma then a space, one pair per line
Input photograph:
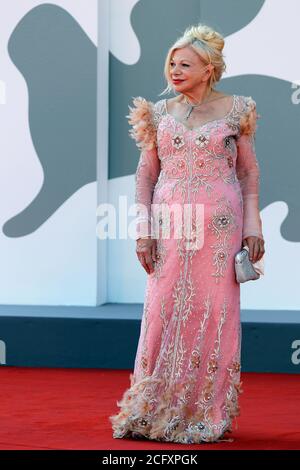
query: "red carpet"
68, 409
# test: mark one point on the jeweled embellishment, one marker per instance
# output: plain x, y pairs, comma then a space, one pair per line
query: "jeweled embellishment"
201, 140
221, 255
200, 163
177, 141
195, 360
207, 391
199, 426
140, 422
212, 366
227, 142
144, 362
230, 161
181, 164
222, 221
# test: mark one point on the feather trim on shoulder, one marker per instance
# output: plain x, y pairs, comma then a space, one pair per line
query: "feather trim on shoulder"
248, 121
143, 130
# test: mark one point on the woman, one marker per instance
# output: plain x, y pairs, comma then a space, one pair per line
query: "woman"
197, 149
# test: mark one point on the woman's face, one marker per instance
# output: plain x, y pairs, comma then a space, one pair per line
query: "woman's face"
187, 70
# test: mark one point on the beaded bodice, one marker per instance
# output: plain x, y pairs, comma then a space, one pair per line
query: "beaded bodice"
213, 157
207, 151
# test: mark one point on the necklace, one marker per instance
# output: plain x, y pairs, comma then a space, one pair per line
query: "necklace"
192, 106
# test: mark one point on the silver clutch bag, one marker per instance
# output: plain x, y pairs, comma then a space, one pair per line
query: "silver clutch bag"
244, 270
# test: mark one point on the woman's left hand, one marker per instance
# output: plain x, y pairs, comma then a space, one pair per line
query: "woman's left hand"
256, 247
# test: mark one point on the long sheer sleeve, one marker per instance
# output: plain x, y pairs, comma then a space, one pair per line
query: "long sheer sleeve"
248, 171
143, 131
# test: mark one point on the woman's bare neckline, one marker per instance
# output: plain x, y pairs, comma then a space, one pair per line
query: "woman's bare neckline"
180, 99
175, 100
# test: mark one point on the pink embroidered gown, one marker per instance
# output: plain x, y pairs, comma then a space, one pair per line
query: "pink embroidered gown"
186, 379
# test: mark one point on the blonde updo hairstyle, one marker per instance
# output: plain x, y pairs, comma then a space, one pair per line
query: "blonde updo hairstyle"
207, 43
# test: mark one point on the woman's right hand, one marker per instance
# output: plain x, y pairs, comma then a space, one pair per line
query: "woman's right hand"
146, 252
